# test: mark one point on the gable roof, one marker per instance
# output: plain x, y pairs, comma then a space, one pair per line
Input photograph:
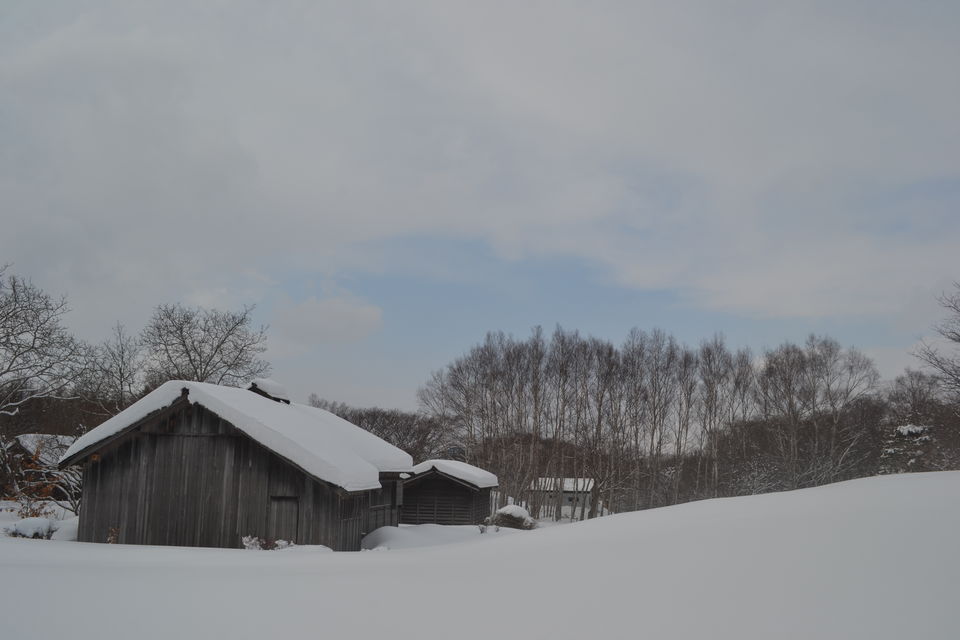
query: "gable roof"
459, 470
45, 446
322, 444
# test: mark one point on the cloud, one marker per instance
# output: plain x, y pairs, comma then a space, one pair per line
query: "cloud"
757, 159
299, 327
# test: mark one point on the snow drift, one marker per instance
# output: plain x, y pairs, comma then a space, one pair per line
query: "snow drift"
872, 559
409, 536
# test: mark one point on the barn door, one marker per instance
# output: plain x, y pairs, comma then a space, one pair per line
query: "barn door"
284, 518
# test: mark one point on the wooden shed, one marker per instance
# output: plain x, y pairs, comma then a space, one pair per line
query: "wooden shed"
197, 464
447, 492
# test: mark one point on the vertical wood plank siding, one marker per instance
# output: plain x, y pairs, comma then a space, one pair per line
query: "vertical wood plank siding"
435, 499
188, 478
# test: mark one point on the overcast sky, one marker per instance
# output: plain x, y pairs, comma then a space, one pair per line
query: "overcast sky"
389, 181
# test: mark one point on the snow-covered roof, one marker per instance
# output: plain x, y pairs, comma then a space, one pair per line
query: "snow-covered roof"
270, 387
46, 446
460, 470
562, 484
322, 444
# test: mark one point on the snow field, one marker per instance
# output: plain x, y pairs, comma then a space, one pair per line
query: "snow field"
429, 535
871, 559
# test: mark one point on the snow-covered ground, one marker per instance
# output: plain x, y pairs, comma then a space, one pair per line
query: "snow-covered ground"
875, 558
430, 535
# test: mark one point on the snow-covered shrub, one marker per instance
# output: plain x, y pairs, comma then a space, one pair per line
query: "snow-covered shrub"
513, 517
909, 430
255, 543
251, 543
38, 528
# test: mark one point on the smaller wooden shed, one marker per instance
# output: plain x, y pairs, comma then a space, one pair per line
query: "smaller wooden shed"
447, 492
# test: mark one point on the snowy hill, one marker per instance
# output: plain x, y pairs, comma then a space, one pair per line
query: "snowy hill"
874, 558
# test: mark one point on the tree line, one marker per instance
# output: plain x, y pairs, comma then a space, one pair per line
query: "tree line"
650, 420
654, 422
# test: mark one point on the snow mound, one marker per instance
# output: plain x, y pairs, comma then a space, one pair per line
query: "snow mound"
460, 470
32, 528
513, 516
305, 548
67, 529
872, 559
324, 445
412, 536
515, 511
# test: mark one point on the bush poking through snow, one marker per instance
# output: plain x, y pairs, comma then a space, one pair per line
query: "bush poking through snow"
251, 543
37, 528
512, 517
254, 543
31, 508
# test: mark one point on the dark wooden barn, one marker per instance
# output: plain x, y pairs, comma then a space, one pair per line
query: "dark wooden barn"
447, 492
195, 464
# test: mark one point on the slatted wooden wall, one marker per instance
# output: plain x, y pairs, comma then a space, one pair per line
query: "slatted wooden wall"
439, 500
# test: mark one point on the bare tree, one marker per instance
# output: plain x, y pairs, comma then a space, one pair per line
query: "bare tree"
914, 397
716, 398
635, 403
807, 394
662, 354
687, 385
117, 377
843, 376
204, 345
784, 397
38, 357
946, 365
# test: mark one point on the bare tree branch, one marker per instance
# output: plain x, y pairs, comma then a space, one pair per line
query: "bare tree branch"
204, 345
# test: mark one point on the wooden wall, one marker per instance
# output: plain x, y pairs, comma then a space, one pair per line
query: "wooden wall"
434, 498
188, 478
